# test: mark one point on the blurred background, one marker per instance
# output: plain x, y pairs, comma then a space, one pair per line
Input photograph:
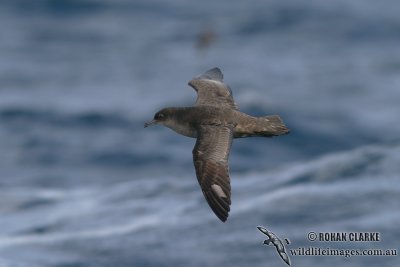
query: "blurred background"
83, 184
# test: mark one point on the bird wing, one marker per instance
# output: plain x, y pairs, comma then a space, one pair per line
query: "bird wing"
263, 230
211, 90
210, 157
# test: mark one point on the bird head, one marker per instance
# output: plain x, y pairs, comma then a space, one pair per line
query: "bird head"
161, 116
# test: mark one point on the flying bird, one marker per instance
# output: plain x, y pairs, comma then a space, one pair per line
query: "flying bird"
215, 120
275, 241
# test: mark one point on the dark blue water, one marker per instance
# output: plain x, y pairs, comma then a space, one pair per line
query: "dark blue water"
83, 184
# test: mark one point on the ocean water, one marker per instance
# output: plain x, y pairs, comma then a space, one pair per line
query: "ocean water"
83, 184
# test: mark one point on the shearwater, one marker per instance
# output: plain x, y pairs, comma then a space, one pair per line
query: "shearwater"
215, 121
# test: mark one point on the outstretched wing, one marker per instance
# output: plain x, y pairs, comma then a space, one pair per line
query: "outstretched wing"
263, 230
211, 89
210, 157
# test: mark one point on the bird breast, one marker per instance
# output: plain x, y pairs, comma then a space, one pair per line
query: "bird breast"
182, 128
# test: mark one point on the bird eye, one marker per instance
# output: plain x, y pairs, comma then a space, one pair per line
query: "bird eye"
159, 116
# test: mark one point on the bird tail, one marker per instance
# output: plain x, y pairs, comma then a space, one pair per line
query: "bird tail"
271, 126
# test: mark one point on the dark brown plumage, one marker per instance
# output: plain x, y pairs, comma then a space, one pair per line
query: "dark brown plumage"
215, 120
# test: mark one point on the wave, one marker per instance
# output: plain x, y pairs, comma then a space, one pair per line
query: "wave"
56, 118
354, 189
339, 189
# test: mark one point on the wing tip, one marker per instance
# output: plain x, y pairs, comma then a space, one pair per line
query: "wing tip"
262, 230
224, 219
220, 209
214, 74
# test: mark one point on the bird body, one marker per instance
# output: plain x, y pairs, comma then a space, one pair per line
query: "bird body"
215, 121
186, 121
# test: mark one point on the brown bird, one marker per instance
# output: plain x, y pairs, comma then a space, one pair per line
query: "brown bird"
215, 120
